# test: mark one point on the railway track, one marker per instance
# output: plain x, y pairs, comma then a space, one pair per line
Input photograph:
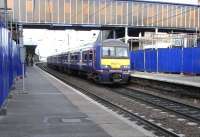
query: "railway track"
159, 130
190, 112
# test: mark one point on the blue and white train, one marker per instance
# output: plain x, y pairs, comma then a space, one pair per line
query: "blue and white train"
104, 62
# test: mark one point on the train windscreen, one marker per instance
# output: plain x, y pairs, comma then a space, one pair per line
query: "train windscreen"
118, 52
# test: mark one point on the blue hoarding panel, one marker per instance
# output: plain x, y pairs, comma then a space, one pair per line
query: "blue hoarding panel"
191, 60
196, 60
163, 55
175, 60
137, 60
9, 62
170, 60
187, 60
151, 60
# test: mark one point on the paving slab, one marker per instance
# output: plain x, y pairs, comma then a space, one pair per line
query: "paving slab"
50, 108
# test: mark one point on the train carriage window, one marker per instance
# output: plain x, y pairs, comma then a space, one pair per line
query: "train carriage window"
90, 56
85, 56
66, 58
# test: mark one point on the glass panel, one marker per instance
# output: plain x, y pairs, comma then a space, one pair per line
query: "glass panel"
160, 15
67, 11
173, 16
79, 11
22, 10
114, 13
150, 15
48, 11
61, 11
183, 17
134, 13
55, 11
198, 20
129, 13
119, 12
124, 13
187, 12
193, 15
2, 5
108, 12
102, 11
91, 12
115, 52
108, 51
121, 52
145, 15
164, 17
97, 11
9, 3
73, 11
196, 17
85, 11
16, 10
154, 15
42, 11
179, 16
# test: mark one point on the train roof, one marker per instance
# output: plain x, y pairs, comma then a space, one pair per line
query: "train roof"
107, 42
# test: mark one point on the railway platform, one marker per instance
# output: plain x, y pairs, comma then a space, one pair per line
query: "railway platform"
180, 79
50, 108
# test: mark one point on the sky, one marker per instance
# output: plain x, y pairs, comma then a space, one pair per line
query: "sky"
51, 42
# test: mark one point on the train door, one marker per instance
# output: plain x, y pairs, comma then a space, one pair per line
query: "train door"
90, 60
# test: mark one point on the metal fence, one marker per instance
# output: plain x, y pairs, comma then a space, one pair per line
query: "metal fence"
170, 60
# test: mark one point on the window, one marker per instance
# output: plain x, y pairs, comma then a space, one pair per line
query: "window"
90, 56
108, 51
115, 52
121, 52
85, 55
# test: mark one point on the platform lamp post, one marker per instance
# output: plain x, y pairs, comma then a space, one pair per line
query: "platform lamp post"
22, 55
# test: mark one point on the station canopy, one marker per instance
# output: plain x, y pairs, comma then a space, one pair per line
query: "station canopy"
105, 13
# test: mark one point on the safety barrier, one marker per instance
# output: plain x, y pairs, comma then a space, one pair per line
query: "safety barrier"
170, 60
10, 65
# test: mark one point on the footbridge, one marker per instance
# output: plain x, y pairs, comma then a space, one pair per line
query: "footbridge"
102, 13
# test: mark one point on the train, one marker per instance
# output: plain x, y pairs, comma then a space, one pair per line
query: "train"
105, 62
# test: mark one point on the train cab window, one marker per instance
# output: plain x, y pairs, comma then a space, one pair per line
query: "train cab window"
121, 52
118, 52
108, 51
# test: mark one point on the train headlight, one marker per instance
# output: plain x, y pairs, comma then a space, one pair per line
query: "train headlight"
105, 67
125, 67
